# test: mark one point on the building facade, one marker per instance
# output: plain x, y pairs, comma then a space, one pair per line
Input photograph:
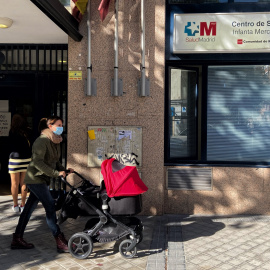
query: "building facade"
205, 122
130, 109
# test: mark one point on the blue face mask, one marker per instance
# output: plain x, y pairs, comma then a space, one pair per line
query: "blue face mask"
58, 131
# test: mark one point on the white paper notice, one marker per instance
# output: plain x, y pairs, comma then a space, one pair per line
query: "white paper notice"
124, 134
3, 105
5, 121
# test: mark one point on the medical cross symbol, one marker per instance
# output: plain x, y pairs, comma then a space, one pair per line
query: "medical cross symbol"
191, 29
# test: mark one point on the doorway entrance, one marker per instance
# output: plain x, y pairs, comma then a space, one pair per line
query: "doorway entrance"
183, 113
33, 82
17, 95
34, 96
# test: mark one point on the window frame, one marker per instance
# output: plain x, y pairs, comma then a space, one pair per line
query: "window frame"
202, 118
203, 60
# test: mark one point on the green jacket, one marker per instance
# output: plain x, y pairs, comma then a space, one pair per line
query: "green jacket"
44, 163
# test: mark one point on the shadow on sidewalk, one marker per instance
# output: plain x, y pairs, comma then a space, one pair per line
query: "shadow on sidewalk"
184, 228
198, 229
200, 226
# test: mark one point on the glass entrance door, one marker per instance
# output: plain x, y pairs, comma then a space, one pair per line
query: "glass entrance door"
183, 118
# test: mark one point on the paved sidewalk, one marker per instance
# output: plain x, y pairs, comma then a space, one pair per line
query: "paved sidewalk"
239, 242
170, 242
45, 256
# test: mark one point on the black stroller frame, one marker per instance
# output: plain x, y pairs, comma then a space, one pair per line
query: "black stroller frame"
103, 227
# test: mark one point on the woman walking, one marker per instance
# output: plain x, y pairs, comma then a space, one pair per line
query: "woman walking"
43, 166
19, 158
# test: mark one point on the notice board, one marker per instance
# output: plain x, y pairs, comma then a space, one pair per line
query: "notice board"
120, 142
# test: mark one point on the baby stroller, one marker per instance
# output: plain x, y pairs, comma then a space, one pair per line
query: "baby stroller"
112, 207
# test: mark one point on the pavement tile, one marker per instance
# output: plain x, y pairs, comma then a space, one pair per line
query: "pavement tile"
225, 267
176, 267
155, 266
247, 266
136, 268
255, 262
265, 266
54, 267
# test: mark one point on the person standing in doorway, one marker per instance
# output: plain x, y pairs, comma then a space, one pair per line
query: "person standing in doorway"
19, 159
44, 165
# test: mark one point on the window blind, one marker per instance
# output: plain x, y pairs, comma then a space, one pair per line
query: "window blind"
238, 113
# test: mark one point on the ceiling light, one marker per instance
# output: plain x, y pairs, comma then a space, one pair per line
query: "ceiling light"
5, 22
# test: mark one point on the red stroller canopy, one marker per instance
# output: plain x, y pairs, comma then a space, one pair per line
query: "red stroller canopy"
121, 181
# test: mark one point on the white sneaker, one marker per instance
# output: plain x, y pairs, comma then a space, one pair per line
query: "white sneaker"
16, 209
21, 208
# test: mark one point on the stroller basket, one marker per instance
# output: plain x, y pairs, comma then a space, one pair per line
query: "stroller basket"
74, 206
125, 205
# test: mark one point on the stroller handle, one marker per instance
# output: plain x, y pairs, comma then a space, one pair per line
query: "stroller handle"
63, 179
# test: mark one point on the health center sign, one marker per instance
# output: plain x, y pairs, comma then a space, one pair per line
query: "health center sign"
233, 32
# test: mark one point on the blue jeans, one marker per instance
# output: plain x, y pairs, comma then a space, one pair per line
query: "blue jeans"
38, 192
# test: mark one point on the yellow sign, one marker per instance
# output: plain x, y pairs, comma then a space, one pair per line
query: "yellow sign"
75, 75
91, 134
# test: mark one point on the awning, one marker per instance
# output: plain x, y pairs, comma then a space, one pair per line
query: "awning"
60, 16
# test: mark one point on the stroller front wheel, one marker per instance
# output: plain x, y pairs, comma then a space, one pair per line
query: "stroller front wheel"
80, 245
123, 249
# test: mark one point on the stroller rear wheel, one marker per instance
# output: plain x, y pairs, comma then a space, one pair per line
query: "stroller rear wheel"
123, 249
80, 245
